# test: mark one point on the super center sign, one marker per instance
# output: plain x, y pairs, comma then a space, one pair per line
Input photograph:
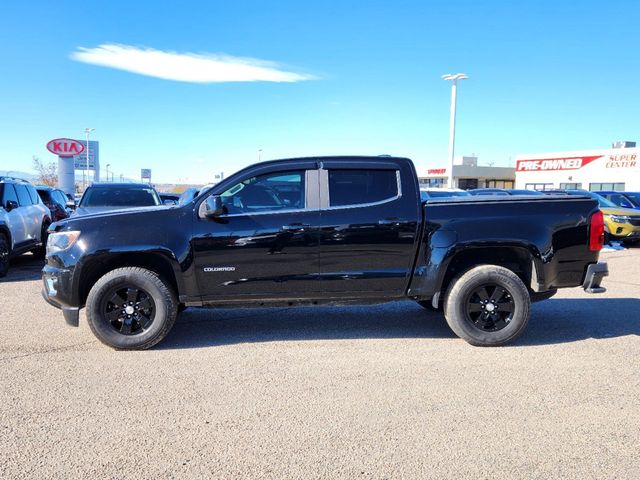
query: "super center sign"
575, 163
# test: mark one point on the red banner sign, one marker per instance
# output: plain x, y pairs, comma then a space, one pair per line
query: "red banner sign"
546, 164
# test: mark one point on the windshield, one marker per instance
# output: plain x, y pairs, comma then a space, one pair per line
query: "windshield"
120, 197
634, 197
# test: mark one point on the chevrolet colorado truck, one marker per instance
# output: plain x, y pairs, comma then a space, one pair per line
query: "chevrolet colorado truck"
325, 230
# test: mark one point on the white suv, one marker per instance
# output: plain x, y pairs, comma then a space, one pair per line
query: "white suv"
24, 220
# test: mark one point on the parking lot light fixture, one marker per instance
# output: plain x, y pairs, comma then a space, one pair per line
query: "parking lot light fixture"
453, 78
87, 131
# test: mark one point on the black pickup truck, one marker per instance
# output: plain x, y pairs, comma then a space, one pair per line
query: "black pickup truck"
331, 230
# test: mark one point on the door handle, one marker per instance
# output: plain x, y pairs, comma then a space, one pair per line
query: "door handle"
294, 227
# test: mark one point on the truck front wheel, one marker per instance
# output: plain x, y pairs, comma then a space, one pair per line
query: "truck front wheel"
487, 306
131, 309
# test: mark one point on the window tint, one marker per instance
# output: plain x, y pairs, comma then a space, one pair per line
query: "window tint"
353, 187
23, 195
35, 199
60, 197
9, 194
44, 195
265, 193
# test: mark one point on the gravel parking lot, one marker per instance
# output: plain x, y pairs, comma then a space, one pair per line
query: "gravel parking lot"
376, 392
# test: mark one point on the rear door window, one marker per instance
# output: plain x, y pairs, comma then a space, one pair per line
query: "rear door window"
23, 195
9, 194
361, 187
35, 199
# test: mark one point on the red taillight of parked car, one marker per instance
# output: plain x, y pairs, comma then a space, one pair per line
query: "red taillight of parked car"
596, 232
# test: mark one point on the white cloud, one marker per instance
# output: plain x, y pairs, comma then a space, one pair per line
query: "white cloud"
186, 67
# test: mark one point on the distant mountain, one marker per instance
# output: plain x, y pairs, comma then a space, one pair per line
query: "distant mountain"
14, 173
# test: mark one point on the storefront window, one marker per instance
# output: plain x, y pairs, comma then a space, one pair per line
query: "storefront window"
468, 183
539, 186
498, 183
596, 187
571, 186
432, 182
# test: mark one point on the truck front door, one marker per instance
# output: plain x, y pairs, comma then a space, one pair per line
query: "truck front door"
266, 243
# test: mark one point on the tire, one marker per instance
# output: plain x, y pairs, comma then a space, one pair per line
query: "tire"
151, 309
540, 296
5, 253
427, 305
487, 306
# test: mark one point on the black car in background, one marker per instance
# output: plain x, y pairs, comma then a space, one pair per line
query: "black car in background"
102, 197
56, 201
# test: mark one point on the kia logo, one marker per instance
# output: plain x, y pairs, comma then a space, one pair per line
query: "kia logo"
65, 147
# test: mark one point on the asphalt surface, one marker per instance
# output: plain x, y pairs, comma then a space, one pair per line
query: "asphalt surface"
376, 392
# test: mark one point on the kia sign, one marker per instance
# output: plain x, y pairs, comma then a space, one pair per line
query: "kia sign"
65, 147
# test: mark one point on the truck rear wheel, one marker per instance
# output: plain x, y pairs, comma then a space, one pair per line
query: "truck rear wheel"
131, 309
487, 306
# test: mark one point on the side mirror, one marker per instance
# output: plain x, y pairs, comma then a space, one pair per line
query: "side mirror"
213, 207
71, 204
11, 204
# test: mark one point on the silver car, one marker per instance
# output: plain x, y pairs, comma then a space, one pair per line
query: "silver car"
24, 221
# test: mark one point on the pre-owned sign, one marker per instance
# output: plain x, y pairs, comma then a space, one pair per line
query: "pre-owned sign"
65, 147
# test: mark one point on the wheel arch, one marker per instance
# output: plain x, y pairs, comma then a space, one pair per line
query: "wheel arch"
518, 259
156, 262
4, 229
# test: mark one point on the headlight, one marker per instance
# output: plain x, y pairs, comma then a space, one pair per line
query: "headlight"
60, 241
619, 218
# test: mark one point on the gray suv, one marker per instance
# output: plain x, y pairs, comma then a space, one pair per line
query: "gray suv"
24, 221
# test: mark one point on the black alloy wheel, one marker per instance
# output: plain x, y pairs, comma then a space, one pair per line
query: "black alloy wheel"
129, 310
488, 305
490, 308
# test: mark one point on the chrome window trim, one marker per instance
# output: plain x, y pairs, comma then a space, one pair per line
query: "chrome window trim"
310, 178
325, 188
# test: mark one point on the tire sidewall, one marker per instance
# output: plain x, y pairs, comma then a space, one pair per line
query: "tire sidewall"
462, 288
153, 286
4, 263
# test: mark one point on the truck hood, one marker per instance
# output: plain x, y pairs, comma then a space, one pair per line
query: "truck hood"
631, 212
94, 211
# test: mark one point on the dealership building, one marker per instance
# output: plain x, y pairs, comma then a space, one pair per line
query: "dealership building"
612, 169
467, 175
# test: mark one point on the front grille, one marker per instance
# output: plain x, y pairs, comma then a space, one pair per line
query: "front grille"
635, 221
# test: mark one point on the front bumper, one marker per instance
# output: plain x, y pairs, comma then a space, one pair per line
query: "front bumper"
595, 273
56, 290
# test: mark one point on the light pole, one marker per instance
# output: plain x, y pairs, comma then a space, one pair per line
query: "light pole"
87, 131
259, 154
453, 78
108, 165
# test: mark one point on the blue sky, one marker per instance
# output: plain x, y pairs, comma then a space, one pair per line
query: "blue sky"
544, 76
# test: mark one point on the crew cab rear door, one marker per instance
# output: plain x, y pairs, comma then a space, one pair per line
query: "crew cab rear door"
370, 218
266, 245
